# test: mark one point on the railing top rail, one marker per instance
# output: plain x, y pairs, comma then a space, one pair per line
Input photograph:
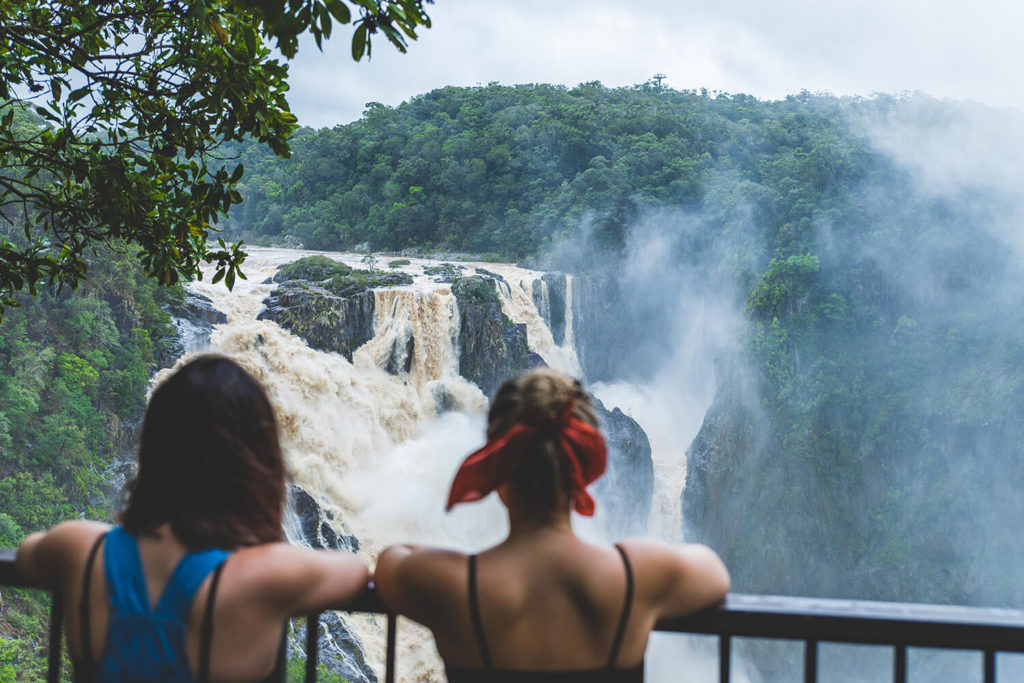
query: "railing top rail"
798, 618
8, 575
859, 621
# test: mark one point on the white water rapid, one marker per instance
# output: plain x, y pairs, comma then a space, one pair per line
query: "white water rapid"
372, 449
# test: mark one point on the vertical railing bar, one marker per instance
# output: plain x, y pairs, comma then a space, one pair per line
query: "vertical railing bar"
55, 660
899, 668
810, 661
389, 663
312, 646
724, 658
990, 666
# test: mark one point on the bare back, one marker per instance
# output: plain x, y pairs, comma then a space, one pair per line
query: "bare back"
548, 601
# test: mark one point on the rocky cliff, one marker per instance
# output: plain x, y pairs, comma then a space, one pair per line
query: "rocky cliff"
194, 317
492, 348
328, 304
907, 524
627, 486
325, 321
549, 296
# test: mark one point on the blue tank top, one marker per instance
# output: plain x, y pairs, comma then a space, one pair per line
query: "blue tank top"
146, 643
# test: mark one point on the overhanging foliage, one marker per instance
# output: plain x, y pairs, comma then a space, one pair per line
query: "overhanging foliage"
112, 115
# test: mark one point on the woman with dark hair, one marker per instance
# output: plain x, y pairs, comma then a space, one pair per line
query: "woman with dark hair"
196, 583
544, 605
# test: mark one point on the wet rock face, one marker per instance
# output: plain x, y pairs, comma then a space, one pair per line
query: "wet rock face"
732, 432
325, 321
339, 649
328, 304
194, 318
601, 327
549, 296
316, 525
627, 487
492, 348
608, 316
198, 307
446, 272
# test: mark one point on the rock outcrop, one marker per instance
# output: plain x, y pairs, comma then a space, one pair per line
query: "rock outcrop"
328, 304
601, 327
317, 527
718, 461
445, 272
194, 317
325, 321
627, 486
549, 296
492, 348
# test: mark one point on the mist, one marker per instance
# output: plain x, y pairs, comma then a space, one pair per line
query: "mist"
863, 438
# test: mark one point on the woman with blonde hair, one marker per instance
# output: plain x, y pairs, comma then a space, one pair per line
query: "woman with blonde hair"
544, 605
196, 583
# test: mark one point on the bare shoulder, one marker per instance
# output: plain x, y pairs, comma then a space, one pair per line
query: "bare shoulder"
412, 579
77, 532
677, 578
419, 566
666, 555
46, 557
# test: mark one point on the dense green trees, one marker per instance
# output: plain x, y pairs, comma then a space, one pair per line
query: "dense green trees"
515, 169
74, 367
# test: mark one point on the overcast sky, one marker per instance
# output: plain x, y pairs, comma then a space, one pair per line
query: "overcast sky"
946, 48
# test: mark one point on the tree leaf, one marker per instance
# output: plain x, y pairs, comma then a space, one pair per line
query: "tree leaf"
359, 42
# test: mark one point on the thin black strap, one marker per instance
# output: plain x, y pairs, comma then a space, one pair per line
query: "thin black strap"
206, 634
624, 619
474, 615
84, 632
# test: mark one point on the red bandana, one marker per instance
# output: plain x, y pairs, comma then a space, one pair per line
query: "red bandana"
486, 469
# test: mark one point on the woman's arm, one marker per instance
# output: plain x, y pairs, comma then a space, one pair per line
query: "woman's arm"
30, 562
296, 580
387, 577
45, 557
682, 578
418, 582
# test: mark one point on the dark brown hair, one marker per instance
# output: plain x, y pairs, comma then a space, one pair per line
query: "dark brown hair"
537, 398
209, 459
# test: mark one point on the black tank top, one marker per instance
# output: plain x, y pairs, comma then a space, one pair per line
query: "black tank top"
488, 674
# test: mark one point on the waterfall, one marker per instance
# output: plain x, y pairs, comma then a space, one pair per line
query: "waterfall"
570, 337
516, 294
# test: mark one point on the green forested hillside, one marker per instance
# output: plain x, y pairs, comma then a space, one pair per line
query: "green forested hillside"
74, 367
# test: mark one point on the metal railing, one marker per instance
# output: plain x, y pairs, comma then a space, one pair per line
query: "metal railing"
810, 620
